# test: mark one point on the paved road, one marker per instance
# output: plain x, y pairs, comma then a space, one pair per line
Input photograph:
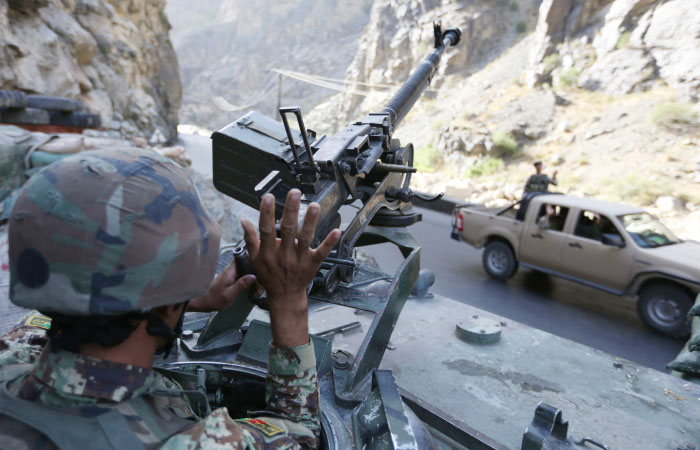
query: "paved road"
557, 306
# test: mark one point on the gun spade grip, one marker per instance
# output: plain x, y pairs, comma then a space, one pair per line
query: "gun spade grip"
245, 267
242, 259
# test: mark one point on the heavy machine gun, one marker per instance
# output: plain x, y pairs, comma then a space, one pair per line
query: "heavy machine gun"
257, 155
227, 353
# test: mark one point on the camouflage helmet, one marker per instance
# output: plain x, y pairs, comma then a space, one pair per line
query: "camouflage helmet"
108, 232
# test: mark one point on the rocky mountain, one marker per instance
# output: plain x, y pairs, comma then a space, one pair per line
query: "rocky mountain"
114, 55
400, 34
227, 49
604, 91
620, 46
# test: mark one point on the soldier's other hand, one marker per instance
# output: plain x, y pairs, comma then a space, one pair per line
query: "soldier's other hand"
286, 265
223, 291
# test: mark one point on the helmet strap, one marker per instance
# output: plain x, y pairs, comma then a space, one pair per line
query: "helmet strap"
155, 326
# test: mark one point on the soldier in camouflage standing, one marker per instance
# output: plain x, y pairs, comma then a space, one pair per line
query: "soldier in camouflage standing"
540, 182
114, 245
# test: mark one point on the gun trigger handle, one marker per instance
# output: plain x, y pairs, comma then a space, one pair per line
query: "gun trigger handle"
245, 267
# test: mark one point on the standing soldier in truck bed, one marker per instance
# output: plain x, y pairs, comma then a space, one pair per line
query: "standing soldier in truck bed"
540, 182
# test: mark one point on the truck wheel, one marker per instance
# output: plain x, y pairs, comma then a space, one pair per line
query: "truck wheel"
664, 308
499, 260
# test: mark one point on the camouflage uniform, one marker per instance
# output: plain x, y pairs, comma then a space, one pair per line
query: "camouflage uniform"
539, 183
107, 233
84, 385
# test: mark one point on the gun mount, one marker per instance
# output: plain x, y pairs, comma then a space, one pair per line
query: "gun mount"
256, 155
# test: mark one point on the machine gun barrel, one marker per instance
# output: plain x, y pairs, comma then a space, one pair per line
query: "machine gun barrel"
403, 100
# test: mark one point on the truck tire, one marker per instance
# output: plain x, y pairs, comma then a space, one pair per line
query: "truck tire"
499, 260
52, 103
75, 119
13, 99
664, 307
28, 116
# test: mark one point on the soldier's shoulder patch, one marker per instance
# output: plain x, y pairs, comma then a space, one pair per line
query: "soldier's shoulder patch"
38, 321
265, 428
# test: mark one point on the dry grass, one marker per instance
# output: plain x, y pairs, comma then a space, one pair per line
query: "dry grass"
674, 113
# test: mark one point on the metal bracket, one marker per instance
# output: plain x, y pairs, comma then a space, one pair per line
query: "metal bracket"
547, 422
350, 383
382, 417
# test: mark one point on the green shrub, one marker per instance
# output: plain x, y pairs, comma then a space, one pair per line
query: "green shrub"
674, 113
435, 125
521, 26
513, 5
567, 78
426, 159
623, 40
506, 143
551, 62
636, 189
485, 166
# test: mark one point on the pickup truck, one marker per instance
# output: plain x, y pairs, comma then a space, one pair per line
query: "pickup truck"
616, 248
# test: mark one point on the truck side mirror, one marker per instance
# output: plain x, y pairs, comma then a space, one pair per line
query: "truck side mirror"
613, 239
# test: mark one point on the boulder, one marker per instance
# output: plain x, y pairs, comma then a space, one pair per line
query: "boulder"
667, 203
621, 15
620, 72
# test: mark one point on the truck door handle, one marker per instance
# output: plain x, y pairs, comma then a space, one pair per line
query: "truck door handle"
575, 244
536, 235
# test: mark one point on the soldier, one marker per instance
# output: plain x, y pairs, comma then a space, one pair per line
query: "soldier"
114, 245
540, 182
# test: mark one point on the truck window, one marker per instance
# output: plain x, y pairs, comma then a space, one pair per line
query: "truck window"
552, 217
592, 225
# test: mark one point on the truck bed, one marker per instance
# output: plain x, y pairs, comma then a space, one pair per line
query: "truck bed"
479, 220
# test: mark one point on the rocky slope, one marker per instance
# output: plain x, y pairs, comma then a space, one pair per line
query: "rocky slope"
605, 91
227, 49
399, 35
114, 55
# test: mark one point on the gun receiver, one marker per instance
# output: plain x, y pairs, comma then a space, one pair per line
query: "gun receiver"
256, 155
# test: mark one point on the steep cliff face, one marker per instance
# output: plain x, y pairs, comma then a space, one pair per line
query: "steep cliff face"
620, 46
114, 55
227, 49
399, 35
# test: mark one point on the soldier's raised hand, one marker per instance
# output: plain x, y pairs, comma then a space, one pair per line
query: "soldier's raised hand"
286, 265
